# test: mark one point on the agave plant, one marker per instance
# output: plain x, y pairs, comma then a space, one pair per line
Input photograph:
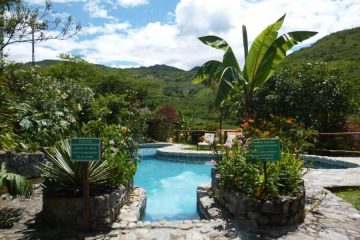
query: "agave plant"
62, 177
266, 53
14, 183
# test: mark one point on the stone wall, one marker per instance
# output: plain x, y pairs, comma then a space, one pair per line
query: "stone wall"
68, 212
23, 163
285, 211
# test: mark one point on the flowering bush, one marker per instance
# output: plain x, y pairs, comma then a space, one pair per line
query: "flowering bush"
294, 136
238, 171
163, 123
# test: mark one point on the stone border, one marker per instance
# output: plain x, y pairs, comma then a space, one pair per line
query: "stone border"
180, 152
154, 145
23, 163
345, 162
67, 212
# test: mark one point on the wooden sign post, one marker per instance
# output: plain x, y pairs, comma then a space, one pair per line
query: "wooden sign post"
85, 150
265, 150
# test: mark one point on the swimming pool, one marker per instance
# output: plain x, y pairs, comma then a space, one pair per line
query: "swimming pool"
170, 186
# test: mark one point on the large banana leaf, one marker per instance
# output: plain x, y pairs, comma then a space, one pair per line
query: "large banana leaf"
211, 68
259, 48
229, 58
277, 52
229, 79
215, 42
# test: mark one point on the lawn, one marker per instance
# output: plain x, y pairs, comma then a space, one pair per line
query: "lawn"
352, 196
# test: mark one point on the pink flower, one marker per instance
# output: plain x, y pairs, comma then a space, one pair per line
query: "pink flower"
228, 144
240, 135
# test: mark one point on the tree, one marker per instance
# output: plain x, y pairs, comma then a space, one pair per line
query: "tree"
265, 54
19, 22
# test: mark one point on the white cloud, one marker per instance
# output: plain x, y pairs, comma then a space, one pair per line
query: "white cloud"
107, 28
176, 43
39, 2
96, 10
131, 3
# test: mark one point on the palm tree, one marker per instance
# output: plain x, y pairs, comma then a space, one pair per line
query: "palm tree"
266, 53
15, 184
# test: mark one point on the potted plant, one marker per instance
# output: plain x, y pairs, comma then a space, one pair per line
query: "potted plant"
110, 181
272, 199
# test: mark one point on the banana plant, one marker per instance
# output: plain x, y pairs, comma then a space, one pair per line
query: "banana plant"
267, 51
14, 183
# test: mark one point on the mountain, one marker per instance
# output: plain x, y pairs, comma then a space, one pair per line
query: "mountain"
195, 68
340, 46
165, 85
340, 50
162, 67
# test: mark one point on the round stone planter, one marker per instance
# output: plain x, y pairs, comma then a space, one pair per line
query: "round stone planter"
67, 212
283, 212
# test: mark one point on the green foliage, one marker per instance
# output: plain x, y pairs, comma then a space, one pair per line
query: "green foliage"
62, 177
293, 134
265, 54
43, 109
239, 173
313, 94
126, 110
340, 50
14, 183
18, 22
120, 152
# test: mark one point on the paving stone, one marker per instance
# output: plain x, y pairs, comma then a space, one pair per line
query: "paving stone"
186, 226
116, 225
331, 235
195, 236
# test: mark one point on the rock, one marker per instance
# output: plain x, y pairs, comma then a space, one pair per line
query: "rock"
186, 226
355, 216
131, 225
115, 225
205, 230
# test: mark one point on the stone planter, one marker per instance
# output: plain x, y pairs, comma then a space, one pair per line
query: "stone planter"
67, 212
283, 212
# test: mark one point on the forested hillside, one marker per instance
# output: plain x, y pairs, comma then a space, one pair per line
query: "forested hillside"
340, 50
157, 85
161, 85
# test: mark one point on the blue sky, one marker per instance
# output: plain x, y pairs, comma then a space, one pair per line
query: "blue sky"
130, 33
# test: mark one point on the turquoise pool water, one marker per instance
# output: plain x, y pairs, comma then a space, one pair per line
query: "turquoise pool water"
170, 186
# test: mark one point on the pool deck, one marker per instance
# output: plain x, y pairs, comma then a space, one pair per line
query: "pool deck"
328, 217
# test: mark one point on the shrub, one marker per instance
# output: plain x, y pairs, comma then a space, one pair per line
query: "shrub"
126, 110
62, 177
241, 173
293, 134
14, 183
44, 109
313, 94
119, 160
161, 127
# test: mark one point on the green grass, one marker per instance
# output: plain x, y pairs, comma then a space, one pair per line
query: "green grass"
352, 196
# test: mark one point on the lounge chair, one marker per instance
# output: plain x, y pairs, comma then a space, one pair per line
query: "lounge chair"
208, 141
230, 137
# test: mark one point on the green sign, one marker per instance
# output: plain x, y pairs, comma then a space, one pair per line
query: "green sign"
267, 149
85, 149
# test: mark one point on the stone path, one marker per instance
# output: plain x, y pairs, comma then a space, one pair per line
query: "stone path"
328, 217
